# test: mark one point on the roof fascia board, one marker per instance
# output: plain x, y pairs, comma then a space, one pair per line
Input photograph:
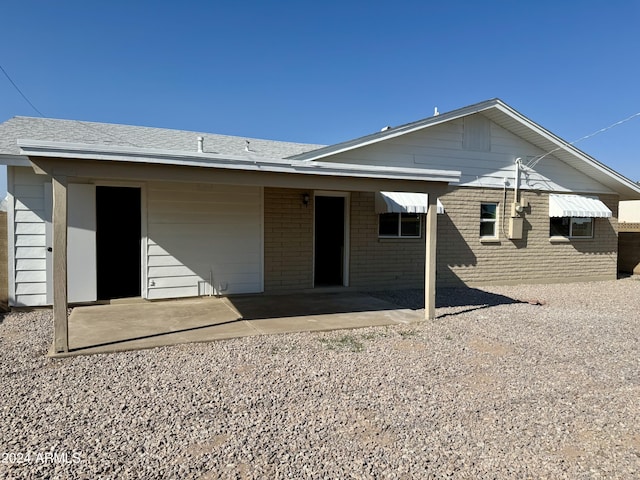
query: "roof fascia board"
34, 148
14, 160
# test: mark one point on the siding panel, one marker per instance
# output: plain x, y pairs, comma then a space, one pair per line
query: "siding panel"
30, 252
31, 276
31, 288
32, 204
30, 229
30, 241
31, 264
32, 300
23, 191
202, 232
441, 147
29, 216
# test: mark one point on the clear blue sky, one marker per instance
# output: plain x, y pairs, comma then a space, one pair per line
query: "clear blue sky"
327, 71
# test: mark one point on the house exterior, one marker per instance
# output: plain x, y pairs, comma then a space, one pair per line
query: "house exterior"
100, 211
507, 160
629, 237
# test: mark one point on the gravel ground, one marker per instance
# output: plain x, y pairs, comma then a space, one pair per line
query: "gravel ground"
511, 382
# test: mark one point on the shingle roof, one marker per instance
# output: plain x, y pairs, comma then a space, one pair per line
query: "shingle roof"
74, 131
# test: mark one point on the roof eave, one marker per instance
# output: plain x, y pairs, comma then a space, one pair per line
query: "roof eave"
14, 160
36, 148
561, 144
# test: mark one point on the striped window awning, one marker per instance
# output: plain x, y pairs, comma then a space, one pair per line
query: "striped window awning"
577, 206
403, 202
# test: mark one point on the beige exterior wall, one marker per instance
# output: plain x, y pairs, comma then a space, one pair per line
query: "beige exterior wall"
374, 263
288, 240
462, 258
381, 263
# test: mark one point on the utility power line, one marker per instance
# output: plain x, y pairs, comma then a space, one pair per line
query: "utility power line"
20, 91
535, 160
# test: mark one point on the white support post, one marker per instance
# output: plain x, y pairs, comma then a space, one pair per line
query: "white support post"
430, 258
59, 224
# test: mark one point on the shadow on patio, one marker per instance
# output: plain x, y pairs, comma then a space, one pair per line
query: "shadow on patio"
472, 298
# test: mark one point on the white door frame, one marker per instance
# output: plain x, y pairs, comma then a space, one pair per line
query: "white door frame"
347, 224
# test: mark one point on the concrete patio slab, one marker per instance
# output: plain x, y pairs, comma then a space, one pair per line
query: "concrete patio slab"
138, 325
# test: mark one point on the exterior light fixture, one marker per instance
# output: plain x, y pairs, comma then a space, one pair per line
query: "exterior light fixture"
305, 199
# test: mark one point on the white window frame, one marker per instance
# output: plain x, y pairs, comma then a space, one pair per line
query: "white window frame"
399, 234
571, 235
494, 221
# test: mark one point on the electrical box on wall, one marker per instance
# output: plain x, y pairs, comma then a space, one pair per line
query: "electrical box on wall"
515, 228
516, 209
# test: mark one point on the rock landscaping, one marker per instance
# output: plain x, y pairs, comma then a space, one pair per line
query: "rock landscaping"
517, 382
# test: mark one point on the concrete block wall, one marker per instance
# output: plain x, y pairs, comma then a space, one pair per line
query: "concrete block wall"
464, 259
288, 240
381, 263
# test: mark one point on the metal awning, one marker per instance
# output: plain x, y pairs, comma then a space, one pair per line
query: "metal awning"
403, 202
577, 206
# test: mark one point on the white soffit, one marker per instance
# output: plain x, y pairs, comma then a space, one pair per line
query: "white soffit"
404, 202
577, 206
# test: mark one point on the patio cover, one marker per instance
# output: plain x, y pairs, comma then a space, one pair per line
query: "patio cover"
63, 161
577, 206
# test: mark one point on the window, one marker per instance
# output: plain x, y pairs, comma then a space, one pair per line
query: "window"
488, 220
405, 225
571, 227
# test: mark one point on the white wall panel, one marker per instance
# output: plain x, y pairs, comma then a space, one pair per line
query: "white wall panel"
81, 243
29, 253
202, 234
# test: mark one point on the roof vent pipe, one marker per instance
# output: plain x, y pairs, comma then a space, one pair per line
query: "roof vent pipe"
200, 144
